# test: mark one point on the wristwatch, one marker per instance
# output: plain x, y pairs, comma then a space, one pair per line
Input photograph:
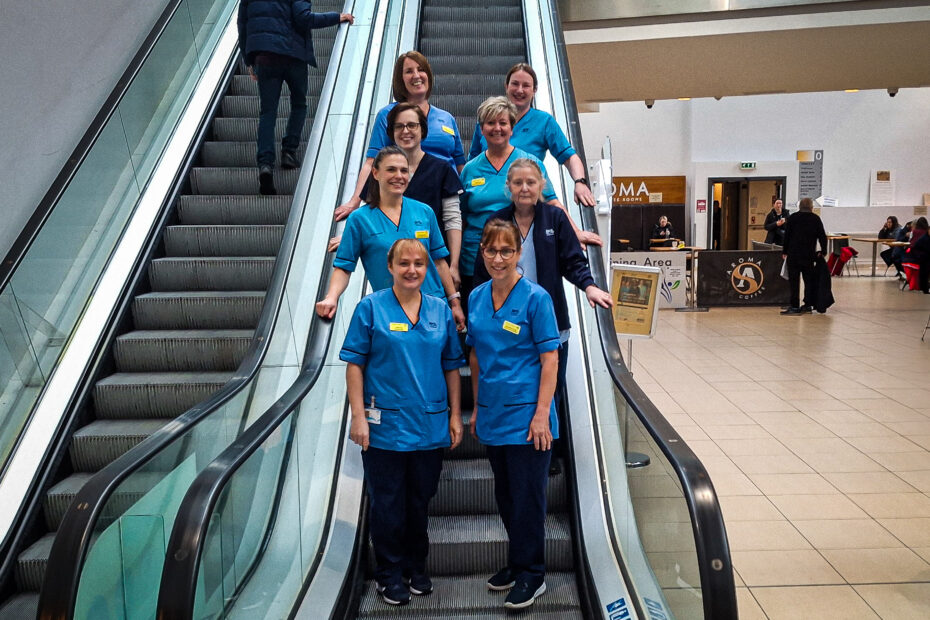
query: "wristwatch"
583, 180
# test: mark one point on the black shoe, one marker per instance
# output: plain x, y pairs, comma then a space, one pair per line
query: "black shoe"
524, 594
419, 584
805, 309
502, 580
792, 311
394, 593
555, 467
266, 180
289, 160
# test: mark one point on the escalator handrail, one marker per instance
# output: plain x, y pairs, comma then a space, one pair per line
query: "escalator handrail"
716, 571
75, 534
49, 201
179, 579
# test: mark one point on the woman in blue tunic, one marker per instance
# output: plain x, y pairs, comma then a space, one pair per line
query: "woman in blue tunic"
536, 131
369, 233
514, 363
412, 82
402, 358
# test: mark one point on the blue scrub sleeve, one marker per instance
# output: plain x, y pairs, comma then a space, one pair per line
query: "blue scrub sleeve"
543, 323
458, 155
452, 356
476, 143
379, 138
357, 344
556, 141
350, 247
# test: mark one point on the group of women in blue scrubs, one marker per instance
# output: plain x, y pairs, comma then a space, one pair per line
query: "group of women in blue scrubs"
401, 348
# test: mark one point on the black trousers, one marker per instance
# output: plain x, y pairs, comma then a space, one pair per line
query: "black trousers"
795, 272
400, 485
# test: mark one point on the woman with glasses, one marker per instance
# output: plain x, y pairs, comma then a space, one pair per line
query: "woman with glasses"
370, 231
514, 337
537, 132
402, 358
412, 82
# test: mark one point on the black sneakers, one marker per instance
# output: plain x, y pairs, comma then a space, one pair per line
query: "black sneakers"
525, 593
289, 160
394, 593
420, 584
266, 180
502, 580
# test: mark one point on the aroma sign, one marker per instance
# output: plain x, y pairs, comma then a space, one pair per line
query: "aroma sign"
637, 190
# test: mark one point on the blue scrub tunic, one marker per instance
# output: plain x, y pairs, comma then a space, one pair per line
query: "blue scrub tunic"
442, 135
535, 133
369, 234
508, 344
486, 192
404, 365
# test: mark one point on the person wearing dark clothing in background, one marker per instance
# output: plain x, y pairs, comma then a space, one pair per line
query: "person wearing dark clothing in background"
775, 224
718, 215
919, 252
897, 255
803, 231
663, 230
274, 38
889, 231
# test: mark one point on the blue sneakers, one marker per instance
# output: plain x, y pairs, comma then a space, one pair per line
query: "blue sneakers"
524, 593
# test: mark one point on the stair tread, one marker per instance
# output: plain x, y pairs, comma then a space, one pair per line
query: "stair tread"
164, 378
446, 529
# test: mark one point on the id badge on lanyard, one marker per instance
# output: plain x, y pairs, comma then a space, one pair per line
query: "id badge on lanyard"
372, 414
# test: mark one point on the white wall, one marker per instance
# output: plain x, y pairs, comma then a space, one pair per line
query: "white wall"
858, 132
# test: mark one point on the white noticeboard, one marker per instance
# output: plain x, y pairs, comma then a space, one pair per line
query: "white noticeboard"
634, 291
673, 266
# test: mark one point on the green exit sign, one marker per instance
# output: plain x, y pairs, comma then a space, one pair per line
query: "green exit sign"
747, 165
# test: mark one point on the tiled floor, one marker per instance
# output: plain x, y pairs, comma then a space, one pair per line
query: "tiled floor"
816, 433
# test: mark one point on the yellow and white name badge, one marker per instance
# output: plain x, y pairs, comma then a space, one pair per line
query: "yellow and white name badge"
398, 327
448, 130
513, 328
421, 234
477, 182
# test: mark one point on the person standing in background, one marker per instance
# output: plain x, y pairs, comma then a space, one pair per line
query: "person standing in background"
274, 38
775, 224
803, 231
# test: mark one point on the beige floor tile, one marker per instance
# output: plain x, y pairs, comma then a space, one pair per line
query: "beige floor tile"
912, 532
705, 448
734, 484
923, 552
806, 507
747, 447
920, 427
748, 508
758, 401
798, 429
812, 603
904, 461
870, 482
717, 465
860, 429
737, 418
691, 432
845, 392
847, 534
747, 606
921, 440
905, 601
825, 404
803, 446
791, 484
735, 431
918, 479
764, 536
837, 416
767, 464
846, 462
781, 568
727, 386
877, 445
859, 566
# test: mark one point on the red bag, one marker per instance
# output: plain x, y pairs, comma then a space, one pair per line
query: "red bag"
912, 273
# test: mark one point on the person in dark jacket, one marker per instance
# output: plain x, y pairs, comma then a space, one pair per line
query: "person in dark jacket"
803, 231
889, 231
897, 255
663, 230
775, 224
919, 252
274, 38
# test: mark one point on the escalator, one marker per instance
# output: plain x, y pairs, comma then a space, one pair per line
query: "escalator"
191, 318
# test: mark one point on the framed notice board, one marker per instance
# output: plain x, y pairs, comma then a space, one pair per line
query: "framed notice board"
634, 290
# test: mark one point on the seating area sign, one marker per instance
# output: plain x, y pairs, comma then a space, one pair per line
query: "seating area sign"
672, 284
741, 278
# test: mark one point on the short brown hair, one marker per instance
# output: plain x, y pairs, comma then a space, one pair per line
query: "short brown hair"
402, 245
495, 228
403, 107
397, 82
522, 66
492, 107
806, 205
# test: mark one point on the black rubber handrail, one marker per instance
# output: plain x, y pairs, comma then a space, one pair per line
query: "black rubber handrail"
30, 231
718, 588
75, 535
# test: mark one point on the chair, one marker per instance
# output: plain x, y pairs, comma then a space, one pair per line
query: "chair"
838, 245
911, 277
926, 327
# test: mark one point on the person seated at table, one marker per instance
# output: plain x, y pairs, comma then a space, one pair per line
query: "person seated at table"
663, 230
897, 256
889, 231
919, 253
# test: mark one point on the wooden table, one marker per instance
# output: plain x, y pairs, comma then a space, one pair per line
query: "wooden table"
832, 239
874, 241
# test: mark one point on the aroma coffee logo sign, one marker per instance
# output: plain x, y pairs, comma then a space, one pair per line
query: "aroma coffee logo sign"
646, 190
747, 278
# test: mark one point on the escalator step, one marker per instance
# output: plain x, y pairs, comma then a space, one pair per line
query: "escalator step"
198, 310
247, 106
20, 606
473, 47
103, 441
251, 273
245, 129
478, 4
181, 350
470, 544
199, 209
245, 85
433, 16
127, 493
249, 240
467, 487
470, 448
446, 36
154, 395
463, 106
467, 84
459, 597
220, 181
31, 563
487, 65
236, 154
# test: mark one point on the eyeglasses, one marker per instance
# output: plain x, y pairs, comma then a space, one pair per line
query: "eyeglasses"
490, 253
411, 127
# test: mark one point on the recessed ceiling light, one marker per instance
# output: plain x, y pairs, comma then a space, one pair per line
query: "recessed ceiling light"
684, 99
851, 90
